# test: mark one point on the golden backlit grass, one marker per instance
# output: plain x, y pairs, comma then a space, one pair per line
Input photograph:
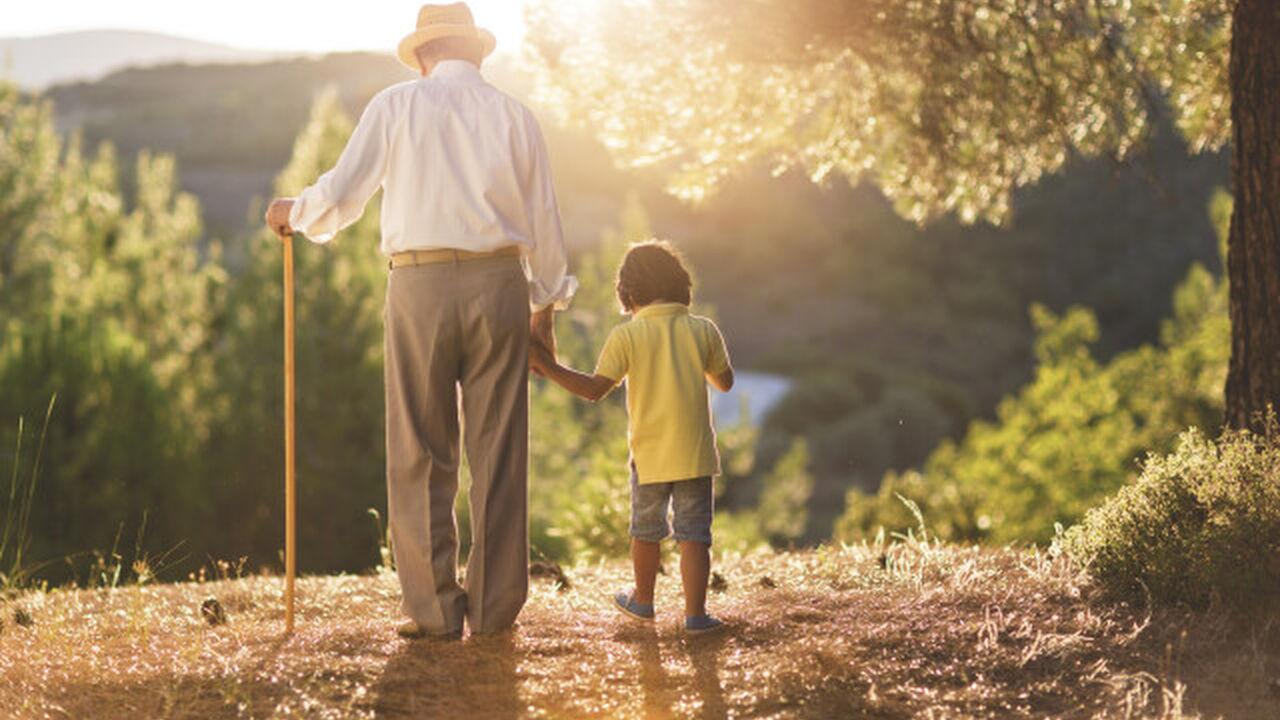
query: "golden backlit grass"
909, 631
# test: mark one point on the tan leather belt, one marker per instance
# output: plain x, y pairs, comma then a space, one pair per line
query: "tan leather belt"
410, 258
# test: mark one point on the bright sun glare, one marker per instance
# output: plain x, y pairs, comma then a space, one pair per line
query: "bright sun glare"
280, 25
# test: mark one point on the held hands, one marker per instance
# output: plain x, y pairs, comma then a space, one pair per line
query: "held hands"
541, 360
278, 216
542, 340
542, 328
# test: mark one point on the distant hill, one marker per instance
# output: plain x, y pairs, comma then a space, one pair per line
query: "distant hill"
35, 63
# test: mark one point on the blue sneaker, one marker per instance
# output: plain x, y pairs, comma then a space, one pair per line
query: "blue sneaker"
700, 624
625, 602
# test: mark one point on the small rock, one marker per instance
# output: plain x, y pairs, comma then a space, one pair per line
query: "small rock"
552, 570
23, 618
768, 582
718, 583
212, 611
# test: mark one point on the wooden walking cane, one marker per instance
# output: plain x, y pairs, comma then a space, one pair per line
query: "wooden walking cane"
290, 491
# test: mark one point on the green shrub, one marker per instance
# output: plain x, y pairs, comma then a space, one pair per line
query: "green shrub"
1199, 524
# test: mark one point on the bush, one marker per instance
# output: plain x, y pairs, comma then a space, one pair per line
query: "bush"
783, 512
115, 448
1199, 524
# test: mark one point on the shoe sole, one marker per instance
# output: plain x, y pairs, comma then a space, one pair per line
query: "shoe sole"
705, 631
424, 635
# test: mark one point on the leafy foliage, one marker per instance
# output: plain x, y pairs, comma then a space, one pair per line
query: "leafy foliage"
339, 374
787, 487
1072, 435
1200, 524
947, 107
107, 305
115, 444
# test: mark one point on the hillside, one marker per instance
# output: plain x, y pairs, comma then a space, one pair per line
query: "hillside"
913, 631
35, 63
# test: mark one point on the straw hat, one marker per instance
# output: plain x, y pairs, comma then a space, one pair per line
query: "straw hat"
437, 21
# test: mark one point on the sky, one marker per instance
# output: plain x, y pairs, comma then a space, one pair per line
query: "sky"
277, 25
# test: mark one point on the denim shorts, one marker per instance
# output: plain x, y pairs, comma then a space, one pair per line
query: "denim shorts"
691, 502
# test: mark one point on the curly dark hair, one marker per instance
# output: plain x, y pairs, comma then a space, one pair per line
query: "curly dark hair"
653, 272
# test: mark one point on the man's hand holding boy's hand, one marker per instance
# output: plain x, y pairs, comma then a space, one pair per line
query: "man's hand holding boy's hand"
541, 359
542, 328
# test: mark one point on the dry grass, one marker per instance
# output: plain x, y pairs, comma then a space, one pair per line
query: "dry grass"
914, 631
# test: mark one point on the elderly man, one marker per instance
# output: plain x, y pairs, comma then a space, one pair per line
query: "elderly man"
477, 258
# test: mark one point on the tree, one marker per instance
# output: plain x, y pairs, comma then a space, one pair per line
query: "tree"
341, 448
947, 105
105, 302
1253, 258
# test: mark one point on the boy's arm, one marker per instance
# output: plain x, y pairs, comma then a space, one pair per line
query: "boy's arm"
722, 381
587, 387
719, 370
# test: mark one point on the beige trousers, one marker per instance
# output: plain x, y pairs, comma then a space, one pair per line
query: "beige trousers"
450, 328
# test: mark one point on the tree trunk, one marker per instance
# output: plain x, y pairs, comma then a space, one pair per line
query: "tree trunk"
1253, 250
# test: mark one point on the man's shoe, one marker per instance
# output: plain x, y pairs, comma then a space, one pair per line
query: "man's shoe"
410, 629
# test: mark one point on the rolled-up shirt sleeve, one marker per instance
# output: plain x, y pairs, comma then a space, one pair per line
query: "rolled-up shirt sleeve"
338, 197
546, 260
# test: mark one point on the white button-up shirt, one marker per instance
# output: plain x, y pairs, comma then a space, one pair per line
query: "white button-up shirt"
462, 165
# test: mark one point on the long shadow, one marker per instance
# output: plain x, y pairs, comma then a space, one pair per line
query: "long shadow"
704, 655
428, 678
660, 693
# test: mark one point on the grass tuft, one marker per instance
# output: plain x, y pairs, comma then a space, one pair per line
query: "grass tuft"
16, 536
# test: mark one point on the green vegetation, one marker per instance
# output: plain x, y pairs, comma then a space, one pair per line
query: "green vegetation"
1075, 433
15, 566
107, 305
1200, 525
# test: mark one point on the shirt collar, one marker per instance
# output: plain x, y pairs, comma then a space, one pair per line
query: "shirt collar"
660, 309
457, 71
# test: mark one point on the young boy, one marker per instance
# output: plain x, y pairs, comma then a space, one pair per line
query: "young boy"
666, 356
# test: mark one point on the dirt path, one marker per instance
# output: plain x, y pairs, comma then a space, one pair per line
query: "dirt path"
914, 632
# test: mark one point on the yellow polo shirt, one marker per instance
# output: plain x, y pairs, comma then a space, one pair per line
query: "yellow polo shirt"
664, 353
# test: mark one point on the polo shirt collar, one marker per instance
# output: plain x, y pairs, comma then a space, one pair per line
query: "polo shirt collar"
660, 309
456, 71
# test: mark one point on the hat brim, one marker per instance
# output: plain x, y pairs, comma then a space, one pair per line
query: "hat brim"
406, 52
